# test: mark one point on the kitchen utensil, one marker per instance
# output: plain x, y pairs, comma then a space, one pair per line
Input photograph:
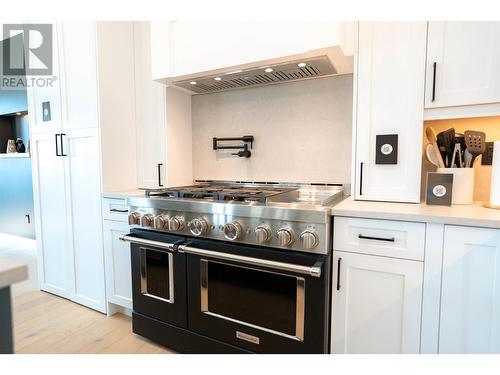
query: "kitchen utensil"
457, 152
432, 157
442, 148
449, 144
432, 138
476, 144
460, 139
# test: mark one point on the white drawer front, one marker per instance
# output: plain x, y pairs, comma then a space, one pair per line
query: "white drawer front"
115, 209
398, 239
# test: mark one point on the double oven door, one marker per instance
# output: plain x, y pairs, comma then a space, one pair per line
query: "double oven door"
159, 277
263, 300
259, 299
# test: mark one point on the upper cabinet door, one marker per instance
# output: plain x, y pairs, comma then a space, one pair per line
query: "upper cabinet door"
388, 97
44, 97
470, 291
78, 66
463, 62
150, 115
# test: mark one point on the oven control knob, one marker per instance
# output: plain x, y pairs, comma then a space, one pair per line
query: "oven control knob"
147, 220
309, 239
134, 218
285, 237
198, 226
232, 231
263, 234
161, 222
176, 223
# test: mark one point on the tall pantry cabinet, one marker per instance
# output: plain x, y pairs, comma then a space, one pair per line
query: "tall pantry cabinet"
69, 152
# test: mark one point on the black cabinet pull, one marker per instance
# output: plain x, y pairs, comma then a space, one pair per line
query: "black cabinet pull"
117, 210
361, 179
338, 273
62, 145
434, 66
392, 239
57, 145
159, 174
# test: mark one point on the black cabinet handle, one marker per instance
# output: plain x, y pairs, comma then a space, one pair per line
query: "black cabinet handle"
434, 66
62, 145
57, 144
159, 174
338, 273
361, 179
392, 239
117, 210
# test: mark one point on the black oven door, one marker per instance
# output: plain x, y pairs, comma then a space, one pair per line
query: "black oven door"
158, 277
263, 300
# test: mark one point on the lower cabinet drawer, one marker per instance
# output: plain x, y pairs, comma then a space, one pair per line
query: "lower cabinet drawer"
397, 239
115, 209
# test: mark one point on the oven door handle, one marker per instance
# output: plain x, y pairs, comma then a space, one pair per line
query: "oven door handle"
314, 271
142, 241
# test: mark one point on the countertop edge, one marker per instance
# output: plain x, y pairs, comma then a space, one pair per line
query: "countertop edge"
422, 217
13, 274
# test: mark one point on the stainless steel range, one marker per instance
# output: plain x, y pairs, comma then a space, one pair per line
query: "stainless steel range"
233, 267
294, 217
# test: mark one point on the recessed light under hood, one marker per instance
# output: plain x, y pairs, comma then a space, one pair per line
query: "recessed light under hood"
284, 72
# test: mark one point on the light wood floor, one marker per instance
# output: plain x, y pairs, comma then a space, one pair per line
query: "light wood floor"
44, 323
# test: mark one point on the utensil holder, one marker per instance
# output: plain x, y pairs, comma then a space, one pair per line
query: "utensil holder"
463, 184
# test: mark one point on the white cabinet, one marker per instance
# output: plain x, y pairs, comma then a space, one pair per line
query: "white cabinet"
94, 96
50, 211
191, 47
117, 254
46, 96
71, 91
470, 294
376, 304
68, 210
150, 115
462, 64
78, 74
83, 200
388, 96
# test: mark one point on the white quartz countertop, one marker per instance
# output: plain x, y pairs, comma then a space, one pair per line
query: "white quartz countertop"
12, 272
468, 215
123, 193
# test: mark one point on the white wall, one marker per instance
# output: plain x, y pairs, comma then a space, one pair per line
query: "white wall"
302, 132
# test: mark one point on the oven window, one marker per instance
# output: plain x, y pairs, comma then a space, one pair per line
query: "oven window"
259, 298
156, 277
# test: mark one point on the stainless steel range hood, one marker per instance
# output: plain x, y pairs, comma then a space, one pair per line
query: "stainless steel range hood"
313, 64
266, 74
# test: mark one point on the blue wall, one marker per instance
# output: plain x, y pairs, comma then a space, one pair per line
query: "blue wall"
12, 101
16, 197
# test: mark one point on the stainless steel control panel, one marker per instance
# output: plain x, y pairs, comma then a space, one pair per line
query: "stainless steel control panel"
276, 232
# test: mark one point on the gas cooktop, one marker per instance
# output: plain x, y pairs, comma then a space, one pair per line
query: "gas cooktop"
228, 192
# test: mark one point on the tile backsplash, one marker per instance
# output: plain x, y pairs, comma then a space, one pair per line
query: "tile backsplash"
302, 132
489, 125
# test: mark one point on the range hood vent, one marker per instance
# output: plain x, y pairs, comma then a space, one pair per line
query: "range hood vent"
265, 75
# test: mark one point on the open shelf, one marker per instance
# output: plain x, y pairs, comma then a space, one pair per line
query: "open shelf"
15, 155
